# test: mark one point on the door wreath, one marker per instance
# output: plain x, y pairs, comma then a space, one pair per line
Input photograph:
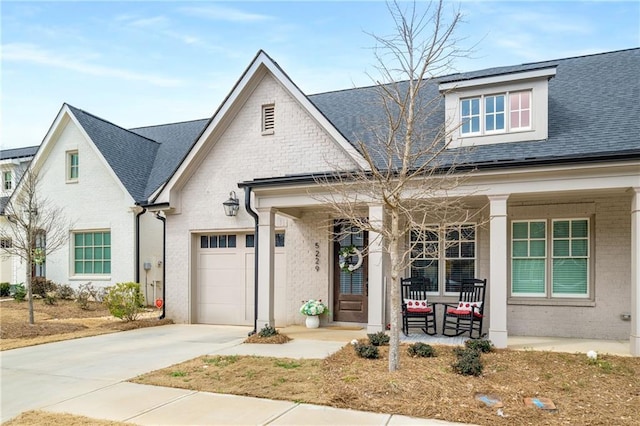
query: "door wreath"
346, 257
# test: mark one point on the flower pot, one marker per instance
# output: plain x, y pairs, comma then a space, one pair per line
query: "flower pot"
312, 321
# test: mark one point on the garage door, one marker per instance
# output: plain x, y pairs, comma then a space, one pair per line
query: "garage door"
225, 285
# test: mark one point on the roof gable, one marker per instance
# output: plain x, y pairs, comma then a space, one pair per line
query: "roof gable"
259, 67
129, 155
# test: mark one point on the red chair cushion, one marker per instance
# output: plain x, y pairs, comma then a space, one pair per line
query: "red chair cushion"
417, 306
463, 312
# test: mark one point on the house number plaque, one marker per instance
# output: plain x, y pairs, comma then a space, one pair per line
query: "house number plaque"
317, 260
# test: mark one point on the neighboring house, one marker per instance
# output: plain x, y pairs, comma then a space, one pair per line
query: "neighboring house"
13, 163
99, 174
557, 153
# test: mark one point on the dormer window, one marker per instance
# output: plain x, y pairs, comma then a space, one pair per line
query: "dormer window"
7, 182
498, 108
489, 114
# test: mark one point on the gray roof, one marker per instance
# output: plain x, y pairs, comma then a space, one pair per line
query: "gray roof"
593, 113
142, 158
7, 154
175, 141
593, 109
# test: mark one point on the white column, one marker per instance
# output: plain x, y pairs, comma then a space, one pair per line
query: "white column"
376, 296
634, 343
498, 270
266, 236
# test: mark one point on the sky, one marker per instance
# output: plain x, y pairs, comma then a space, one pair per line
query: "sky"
140, 63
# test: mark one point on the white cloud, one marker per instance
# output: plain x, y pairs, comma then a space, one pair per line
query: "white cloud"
222, 13
29, 53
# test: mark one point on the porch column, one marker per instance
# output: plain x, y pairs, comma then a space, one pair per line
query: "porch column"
498, 270
266, 236
634, 344
376, 296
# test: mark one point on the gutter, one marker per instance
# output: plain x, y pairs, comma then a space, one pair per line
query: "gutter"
310, 178
164, 264
138, 243
247, 205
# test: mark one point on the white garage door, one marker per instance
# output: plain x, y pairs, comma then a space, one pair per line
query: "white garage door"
225, 285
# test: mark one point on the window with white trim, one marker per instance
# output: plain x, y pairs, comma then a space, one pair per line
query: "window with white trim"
7, 180
73, 166
268, 119
6, 243
556, 270
488, 114
444, 256
92, 253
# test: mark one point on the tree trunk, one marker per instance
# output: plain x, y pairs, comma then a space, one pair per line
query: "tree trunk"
29, 290
394, 338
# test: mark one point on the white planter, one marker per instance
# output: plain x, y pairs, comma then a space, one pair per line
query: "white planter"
312, 321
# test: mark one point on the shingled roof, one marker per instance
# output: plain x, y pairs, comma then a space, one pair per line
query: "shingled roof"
142, 158
593, 113
593, 109
28, 151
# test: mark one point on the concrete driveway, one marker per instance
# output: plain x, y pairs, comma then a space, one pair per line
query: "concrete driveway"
43, 375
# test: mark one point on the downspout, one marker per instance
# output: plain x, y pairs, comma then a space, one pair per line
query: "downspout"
247, 205
164, 263
138, 243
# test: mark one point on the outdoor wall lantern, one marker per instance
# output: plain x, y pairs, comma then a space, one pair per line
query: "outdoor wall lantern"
232, 205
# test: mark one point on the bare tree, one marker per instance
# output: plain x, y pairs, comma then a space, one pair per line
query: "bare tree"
36, 228
410, 170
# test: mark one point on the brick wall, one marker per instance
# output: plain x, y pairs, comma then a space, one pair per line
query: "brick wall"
241, 153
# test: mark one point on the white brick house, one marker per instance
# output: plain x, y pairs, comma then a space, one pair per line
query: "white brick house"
556, 186
559, 188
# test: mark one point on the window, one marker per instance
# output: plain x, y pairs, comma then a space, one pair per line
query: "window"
7, 180
72, 166
570, 271
520, 107
528, 253
268, 119
218, 241
488, 114
92, 252
444, 256
566, 261
5, 243
250, 240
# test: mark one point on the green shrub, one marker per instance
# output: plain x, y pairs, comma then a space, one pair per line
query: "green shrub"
468, 363
378, 339
125, 301
267, 331
20, 293
40, 286
65, 292
367, 351
5, 289
420, 349
480, 345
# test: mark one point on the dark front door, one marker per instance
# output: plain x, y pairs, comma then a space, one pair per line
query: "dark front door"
350, 286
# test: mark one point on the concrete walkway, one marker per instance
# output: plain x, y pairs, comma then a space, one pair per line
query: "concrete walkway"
88, 377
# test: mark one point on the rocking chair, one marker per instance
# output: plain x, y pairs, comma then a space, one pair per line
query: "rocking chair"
416, 311
468, 313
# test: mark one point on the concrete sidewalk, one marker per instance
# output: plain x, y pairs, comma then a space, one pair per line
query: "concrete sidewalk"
88, 377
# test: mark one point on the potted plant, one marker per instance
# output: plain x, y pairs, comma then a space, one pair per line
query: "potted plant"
311, 309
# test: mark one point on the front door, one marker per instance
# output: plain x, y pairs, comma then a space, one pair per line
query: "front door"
350, 280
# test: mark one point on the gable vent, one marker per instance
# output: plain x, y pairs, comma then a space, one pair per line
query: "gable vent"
268, 118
